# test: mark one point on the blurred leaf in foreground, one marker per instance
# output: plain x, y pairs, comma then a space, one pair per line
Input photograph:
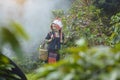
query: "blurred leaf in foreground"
12, 34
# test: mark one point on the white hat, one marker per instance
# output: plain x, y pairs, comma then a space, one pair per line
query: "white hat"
58, 22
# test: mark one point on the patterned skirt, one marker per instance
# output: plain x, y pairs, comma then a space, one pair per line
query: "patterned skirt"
53, 57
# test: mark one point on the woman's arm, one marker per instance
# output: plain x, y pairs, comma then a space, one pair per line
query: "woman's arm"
48, 40
49, 37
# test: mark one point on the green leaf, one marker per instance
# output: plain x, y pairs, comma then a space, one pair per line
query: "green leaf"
18, 30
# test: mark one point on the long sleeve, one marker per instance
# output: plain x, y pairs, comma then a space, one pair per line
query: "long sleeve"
48, 36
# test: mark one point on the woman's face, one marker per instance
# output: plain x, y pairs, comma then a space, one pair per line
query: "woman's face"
54, 27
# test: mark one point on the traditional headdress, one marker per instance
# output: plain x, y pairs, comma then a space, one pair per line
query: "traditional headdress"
58, 22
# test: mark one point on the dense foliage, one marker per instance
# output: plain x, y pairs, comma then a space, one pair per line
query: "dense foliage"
110, 7
83, 63
87, 20
115, 21
29, 64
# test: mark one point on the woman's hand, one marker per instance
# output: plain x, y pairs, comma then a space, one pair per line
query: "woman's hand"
52, 36
48, 40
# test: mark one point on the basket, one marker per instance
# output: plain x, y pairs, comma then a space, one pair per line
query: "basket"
43, 54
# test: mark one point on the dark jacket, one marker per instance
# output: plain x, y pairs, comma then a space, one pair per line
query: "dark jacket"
55, 44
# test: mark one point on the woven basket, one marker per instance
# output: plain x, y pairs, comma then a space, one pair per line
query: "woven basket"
43, 54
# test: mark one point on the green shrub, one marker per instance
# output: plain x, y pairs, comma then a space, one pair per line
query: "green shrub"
115, 21
83, 63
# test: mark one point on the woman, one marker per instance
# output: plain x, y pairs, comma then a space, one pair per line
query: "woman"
54, 40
